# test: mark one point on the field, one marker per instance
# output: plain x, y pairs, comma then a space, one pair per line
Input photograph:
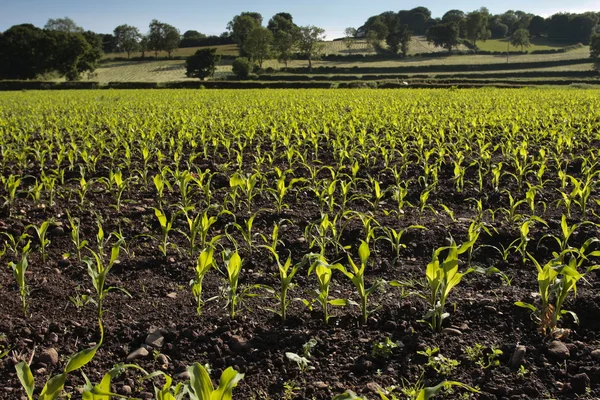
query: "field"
315, 241
536, 44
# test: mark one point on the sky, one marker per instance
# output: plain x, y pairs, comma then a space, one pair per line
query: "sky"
211, 17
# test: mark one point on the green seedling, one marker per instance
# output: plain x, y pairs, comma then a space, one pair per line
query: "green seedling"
19, 270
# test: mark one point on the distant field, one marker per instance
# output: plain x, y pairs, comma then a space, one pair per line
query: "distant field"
226, 49
536, 44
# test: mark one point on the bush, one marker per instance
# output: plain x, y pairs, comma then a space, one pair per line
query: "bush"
202, 64
241, 67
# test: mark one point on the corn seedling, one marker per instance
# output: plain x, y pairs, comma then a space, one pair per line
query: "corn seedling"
76, 235
394, 238
323, 271
19, 270
442, 277
198, 227
286, 275
357, 277
98, 271
41, 233
555, 280
200, 386
203, 265
166, 226
102, 391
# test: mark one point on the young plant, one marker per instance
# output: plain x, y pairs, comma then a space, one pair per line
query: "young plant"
200, 386
98, 272
286, 275
485, 359
394, 238
357, 277
19, 270
102, 391
41, 233
233, 267
76, 235
323, 271
555, 281
203, 265
198, 228
438, 362
166, 226
442, 277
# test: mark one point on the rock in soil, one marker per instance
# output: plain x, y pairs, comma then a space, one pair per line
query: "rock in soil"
580, 383
49, 357
518, 357
452, 332
155, 338
558, 351
596, 354
139, 353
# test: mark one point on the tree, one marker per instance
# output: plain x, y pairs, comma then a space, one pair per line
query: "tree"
558, 26
282, 22
310, 42
171, 38
68, 55
453, 16
163, 37
155, 37
191, 34
241, 26
444, 35
25, 52
241, 67
65, 24
595, 46
258, 45
202, 64
89, 61
520, 38
398, 39
283, 46
127, 38
476, 26
537, 26
498, 30
582, 26
144, 46
350, 34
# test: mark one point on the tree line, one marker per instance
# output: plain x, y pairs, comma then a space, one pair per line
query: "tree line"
62, 47
456, 27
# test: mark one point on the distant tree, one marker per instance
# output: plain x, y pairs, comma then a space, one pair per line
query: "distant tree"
259, 45
498, 30
155, 37
191, 34
582, 26
241, 67
89, 61
202, 64
380, 29
558, 26
163, 37
311, 42
241, 26
171, 38
69, 51
510, 19
595, 46
537, 26
284, 44
127, 38
282, 22
144, 46
398, 39
444, 35
65, 24
453, 16
349, 38
109, 43
520, 38
25, 52
477, 27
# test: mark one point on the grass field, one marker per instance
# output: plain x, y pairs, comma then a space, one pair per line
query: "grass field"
226, 50
536, 44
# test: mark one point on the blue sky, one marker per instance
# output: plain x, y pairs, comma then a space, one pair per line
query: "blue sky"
211, 17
